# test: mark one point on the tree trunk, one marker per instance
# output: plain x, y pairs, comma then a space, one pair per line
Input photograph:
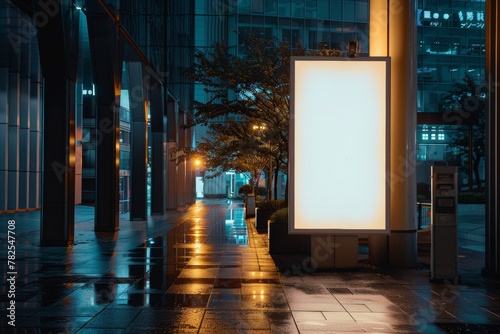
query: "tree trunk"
477, 176
275, 179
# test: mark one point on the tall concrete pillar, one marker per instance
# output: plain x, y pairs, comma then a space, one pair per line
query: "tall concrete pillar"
139, 141
172, 126
492, 249
106, 48
58, 59
393, 33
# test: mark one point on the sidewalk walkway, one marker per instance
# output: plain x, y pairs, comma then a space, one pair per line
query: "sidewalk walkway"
209, 271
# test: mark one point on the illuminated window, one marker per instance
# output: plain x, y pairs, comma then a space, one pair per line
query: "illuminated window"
433, 136
441, 136
425, 136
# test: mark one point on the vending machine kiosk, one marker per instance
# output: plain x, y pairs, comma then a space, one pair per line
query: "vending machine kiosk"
444, 233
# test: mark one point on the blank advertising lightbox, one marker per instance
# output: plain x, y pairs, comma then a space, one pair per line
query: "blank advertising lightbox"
339, 145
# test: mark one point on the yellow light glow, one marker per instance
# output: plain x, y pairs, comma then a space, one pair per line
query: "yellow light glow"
339, 145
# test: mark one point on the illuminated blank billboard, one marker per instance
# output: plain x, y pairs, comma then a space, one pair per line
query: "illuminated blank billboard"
339, 145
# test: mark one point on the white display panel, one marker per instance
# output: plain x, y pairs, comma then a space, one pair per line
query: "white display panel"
339, 145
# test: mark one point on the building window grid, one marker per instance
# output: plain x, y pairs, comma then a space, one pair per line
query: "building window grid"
464, 53
286, 21
435, 133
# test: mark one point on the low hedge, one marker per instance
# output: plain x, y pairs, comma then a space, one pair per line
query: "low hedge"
274, 204
280, 216
246, 189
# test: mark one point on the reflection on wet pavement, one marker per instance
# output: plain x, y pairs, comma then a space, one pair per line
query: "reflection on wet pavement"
209, 271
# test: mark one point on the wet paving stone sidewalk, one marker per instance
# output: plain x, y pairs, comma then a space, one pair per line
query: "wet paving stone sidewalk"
208, 270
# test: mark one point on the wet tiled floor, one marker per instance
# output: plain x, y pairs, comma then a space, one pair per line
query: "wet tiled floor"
207, 270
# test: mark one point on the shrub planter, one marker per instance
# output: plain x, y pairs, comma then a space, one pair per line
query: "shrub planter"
261, 217
264, 210
280, 242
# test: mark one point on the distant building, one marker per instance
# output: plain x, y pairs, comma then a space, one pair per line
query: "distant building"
317, 24
451, 46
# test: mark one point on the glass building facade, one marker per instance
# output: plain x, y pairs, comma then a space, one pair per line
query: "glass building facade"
451, 43
317, 24
451, 49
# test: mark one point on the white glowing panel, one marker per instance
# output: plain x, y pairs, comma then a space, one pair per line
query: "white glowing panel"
339, 145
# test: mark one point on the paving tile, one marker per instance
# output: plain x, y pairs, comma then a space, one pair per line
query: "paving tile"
227, 283
199, 273
304, 315
100, 331
300, 290
383, 318
183, 301
113, 318
237, 320
190, 288
185, 319
260, 288
235, 272
377, 328
326, 326
316, 303
372, 303
41, 321
356, 308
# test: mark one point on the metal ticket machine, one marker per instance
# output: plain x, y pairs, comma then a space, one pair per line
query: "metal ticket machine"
444, 232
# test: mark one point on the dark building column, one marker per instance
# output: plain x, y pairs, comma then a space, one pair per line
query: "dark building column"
4, 109
13, 131
24, 127
158, 151
58, 46
139, 141
492, 251
35, 143
106, 50
182, 170
172, 126
4, 138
